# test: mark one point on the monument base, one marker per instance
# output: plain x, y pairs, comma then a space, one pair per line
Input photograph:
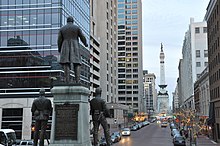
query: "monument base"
70, 122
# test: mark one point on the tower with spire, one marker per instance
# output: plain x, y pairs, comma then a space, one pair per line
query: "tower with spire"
163, 97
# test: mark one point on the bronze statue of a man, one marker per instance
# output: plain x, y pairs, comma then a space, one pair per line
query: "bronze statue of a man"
41, 109
69, 49
99, 113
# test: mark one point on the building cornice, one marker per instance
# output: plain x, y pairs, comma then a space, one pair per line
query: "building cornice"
209, 9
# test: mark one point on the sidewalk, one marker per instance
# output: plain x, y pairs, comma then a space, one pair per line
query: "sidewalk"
204, 141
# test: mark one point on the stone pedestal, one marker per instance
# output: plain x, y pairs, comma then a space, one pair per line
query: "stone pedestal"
70, 124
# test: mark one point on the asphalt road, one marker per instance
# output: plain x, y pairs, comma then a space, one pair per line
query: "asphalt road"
151, 135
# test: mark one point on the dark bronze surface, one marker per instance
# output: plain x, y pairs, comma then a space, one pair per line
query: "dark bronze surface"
69, 49
66, 121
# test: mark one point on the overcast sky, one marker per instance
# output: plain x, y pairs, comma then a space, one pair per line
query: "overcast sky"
167, 21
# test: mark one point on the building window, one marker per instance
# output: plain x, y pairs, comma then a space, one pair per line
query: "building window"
12, 119
204, 29
205, 53
121, 87
206, 63
198, 64
197, 53
197, 30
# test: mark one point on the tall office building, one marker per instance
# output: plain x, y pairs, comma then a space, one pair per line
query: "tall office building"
106, 33
130, 68
150, 92
94, 47
163, 97
29, 54
194, 61
213, 19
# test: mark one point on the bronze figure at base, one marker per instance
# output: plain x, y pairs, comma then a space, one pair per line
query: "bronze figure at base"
99, 114
41, 109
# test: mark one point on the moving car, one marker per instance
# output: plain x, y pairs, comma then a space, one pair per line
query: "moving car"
164, 124
179, 141
126, 132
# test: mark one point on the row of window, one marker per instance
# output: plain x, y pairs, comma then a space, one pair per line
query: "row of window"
30, 37
30, 17
127, 1
213, 47
27, 2
120, 70
125, 87
214, 62
198, 64
128, 59
127, 98
128, 43
127, 92
122, 32
127, 54
215, 77
197, 29
215, 93
198, 53
127, 38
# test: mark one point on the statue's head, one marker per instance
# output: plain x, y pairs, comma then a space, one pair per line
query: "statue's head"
42, 92
70, 19
98, 91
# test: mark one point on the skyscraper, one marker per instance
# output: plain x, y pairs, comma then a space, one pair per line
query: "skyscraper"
29, 54
129, 53
195, 60
163, 97
106, 33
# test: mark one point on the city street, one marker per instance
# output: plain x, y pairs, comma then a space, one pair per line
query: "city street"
151, 135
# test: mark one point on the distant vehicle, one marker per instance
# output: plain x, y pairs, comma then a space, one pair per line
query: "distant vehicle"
102, 142
134, 128
179, 141
115, 137
126, 132
174, 132
164, 124
7, 137
25, 142
145, 123
153, 120
140, 125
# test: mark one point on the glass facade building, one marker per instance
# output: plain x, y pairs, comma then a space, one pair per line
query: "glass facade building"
29, 57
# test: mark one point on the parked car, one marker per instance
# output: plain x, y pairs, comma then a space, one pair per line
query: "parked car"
116, 137
126, 132
102, 142
172, 126
140, 125
134, 128
145, 123
164, 124
179, 141
25, 142
174, 132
